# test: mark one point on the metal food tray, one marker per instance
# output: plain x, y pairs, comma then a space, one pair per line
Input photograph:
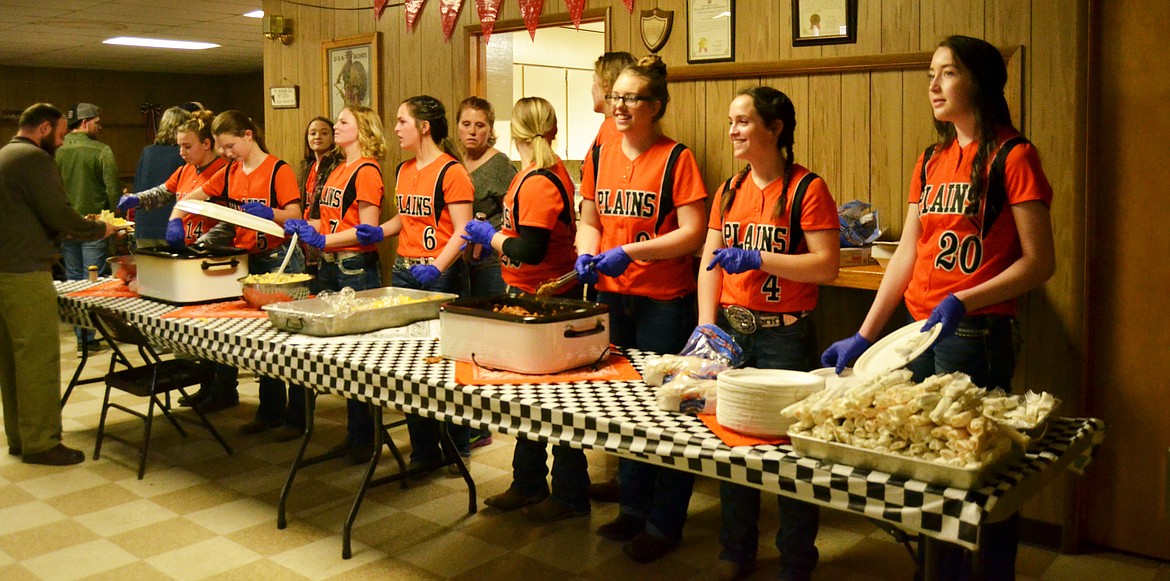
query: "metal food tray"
923, 470
316, 317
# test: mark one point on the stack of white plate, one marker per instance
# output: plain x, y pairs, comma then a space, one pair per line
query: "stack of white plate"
750, 400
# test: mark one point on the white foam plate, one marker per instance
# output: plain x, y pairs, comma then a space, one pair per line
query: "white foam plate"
830, 375
230, 216
764, 378
897, 349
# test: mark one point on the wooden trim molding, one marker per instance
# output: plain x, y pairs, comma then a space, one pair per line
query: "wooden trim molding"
1012, 56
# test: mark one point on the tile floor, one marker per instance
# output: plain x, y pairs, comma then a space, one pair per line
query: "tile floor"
200, 514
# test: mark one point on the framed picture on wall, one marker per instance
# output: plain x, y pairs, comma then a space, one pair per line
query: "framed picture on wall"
352, 72
710, 31
824, 22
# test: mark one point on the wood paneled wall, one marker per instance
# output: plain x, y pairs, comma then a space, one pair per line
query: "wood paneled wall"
861, 131
120, 94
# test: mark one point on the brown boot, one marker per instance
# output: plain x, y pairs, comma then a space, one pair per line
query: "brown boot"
58, 455
512, 499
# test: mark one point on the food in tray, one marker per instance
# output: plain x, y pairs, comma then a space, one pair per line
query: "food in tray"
513, 310
939, 420
274, 278
347, 301
1021, 412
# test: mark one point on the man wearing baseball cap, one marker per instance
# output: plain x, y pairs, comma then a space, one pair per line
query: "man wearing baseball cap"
92, 185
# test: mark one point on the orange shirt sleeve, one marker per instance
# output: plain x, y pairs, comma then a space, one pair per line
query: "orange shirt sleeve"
214, 185
172, 184
588, 184
540, 203
287, 191
457, 185
688, 182
818, 210
369, 185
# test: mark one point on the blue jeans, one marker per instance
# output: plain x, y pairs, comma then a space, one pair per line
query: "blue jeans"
424, 432
658, 495
78, 256
792, 347
485, 279
984, 347
275, 408
359, 272
570, 472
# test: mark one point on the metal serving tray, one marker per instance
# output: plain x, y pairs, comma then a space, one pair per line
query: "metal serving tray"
924, 470
316, 317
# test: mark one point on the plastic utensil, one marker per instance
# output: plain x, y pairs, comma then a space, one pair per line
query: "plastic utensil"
292, 246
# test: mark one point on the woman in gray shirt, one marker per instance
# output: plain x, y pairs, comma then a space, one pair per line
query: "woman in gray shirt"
491, 172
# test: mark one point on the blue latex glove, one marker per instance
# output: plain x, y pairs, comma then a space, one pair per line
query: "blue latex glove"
368, 235
612, 262
258, 209
175, 235
949, 312
127, 203
735, 260
479, 232
425, 274
842, 352
585, 271
308, 234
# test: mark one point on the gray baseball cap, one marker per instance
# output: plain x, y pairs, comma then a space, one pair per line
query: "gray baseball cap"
82, 111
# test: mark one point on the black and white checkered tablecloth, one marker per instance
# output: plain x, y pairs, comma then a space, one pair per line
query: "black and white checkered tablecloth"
618, 417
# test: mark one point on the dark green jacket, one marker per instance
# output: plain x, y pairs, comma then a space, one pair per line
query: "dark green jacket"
90, 174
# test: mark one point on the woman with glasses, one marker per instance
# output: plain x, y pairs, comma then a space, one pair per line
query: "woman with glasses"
771, 240
642, 220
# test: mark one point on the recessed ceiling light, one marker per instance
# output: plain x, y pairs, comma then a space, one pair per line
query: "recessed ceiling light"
159, 43
255, 14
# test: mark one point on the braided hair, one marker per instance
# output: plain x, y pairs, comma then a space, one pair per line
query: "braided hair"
429, 109
988, 74
772, 106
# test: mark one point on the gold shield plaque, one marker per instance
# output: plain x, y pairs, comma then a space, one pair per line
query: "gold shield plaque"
655, 28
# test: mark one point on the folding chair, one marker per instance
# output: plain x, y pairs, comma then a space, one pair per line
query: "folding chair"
154, 377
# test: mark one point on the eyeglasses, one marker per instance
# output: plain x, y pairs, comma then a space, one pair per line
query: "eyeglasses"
629, 100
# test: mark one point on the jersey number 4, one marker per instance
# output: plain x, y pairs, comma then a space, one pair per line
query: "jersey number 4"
967, 254
771, 289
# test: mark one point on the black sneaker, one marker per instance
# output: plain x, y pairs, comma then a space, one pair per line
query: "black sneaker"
622, 528
214, 404
646, 548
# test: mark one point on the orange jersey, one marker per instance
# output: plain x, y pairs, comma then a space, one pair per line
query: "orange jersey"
606, 133
422, 204
637, 200
535, 200
956, 252
186, 180
310, 186
350, 183
750, 223
272, 185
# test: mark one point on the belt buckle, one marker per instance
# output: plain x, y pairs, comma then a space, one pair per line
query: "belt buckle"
741, 319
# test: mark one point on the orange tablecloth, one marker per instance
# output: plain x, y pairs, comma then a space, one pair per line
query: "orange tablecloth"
733, 438
113, 288
616, 368
229, 309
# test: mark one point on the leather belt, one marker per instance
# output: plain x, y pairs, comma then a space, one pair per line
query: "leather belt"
746, 321
415, 260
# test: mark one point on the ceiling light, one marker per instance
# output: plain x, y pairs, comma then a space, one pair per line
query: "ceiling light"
255, 14
159, 43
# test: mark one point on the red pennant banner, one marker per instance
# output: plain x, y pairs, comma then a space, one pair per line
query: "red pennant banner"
629, 5
576, 9
449, 13
530, 10
413, 7
379, 8
488, 11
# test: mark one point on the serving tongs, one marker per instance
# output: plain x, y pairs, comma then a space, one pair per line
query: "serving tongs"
553, 285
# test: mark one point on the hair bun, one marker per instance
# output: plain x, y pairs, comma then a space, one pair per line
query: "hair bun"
653, 62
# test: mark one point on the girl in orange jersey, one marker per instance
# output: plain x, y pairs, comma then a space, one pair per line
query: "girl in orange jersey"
644, 208
536, 244
772, 237
267, 188
197, 148
320, 157
977, 235
434, 195
352, 195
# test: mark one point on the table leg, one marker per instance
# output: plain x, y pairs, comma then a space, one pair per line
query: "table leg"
376, 412
310, 406
453, 457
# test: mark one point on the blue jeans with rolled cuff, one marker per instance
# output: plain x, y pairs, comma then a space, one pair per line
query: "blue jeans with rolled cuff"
790, 347
275, 409
985, 348
424, 432
656, 494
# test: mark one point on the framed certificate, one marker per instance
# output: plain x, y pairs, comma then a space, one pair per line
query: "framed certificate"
824, 22
710, 31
